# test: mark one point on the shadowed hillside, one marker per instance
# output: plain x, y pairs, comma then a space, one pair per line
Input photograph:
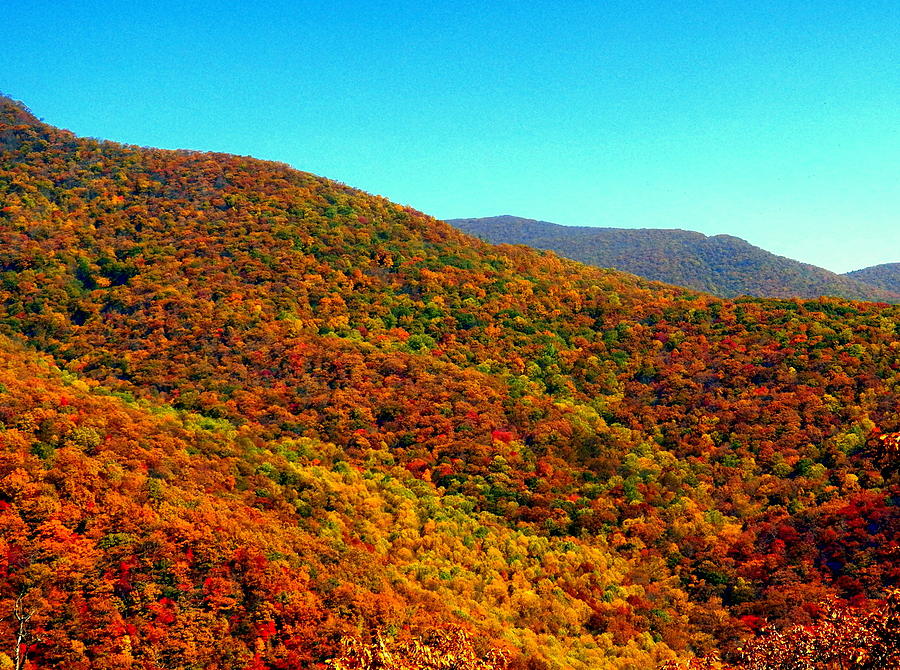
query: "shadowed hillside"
885, 276
722, 265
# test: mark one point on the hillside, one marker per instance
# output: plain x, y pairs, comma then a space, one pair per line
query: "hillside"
885, 276
723, 265
249, 414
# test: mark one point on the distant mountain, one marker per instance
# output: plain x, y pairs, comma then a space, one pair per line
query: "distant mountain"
722, 265
885, 276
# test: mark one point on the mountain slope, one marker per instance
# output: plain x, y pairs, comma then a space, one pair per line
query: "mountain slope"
722, 265
318, 414
146, 531
885, 276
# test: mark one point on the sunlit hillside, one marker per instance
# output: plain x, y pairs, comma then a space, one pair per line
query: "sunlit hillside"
254, 418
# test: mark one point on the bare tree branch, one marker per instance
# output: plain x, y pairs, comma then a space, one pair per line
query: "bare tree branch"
23, 617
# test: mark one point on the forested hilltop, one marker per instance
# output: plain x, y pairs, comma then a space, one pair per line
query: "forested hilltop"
723, 265
254, 418
886, 276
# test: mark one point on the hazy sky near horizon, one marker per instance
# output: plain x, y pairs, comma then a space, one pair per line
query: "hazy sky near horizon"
778, 122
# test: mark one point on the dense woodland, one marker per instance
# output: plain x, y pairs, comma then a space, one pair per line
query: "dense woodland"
723, 265
253, 418
886, 276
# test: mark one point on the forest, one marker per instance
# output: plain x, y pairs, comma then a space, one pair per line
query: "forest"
886, 276
253, 418
723, 265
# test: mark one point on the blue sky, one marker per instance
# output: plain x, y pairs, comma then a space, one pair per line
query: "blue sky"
778, 122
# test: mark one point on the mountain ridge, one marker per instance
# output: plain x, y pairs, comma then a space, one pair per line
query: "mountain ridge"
723, 265
885, 275
15, 112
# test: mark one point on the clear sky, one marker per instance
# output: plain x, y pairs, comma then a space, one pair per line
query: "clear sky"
776, 121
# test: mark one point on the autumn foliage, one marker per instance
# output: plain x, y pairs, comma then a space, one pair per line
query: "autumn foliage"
443, 650
723, 265
841, 637
254, 418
